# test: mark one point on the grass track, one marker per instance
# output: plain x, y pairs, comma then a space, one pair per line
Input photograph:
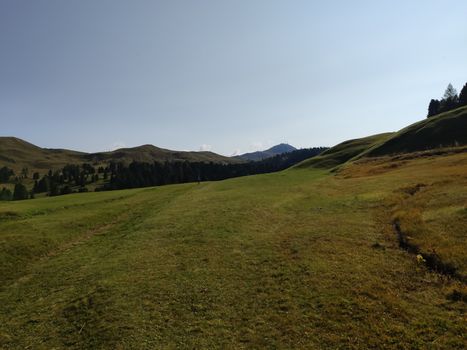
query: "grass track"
285, 260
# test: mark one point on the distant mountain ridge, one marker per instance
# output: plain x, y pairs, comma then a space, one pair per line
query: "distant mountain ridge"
271, 152
17, 154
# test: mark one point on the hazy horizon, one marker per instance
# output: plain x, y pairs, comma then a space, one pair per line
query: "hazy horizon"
230, 77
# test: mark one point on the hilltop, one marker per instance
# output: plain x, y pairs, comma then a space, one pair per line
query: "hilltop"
344, 152
271, 152
17, 154
446, 130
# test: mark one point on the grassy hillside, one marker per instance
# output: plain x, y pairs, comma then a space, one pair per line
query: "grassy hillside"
343, 152
150, 153
296, 259
444, 130
17, 154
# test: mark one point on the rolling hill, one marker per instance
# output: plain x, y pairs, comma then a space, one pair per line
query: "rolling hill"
17, 154
271, 152
441, 131
343, 152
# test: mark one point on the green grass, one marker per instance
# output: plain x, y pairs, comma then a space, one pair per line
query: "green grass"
444, 130
343, 152
296, 259
441, 131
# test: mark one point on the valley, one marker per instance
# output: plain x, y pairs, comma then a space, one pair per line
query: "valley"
305, 256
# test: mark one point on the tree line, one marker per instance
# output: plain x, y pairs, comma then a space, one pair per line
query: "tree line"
450, 100
19, 192
140, 174
71, 178
74, 178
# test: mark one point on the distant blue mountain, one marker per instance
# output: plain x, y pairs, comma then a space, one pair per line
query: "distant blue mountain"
271, 152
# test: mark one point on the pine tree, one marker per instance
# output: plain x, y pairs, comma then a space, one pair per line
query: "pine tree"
463, 96
54, 189
433, 108
449, 100
450, 93
5, 194
5, 174
20, 192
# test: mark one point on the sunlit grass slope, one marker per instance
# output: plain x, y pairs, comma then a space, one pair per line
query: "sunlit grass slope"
444, 130
428, 198
343, 152
447, 129
296, 259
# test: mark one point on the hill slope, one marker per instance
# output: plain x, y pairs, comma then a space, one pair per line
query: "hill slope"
150, 153
343, 152
17, 154
444, 130
271, 152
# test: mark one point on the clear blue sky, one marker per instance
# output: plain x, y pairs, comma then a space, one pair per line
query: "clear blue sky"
223, 75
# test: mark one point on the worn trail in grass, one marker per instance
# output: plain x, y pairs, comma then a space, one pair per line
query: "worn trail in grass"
297, 259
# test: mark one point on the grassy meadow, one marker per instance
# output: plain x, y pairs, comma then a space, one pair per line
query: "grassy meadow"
303, 258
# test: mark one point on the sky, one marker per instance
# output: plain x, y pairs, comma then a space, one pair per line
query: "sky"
227, 76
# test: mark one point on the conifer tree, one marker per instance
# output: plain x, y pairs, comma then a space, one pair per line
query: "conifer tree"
20, 192
463, 96
433, 108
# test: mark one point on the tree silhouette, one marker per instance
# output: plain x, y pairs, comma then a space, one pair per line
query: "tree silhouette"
5, 174
5, 194
449, 100
433, 108
20, 192
463, 96
450, 93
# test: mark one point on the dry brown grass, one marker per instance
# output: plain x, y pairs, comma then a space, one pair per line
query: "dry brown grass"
426, 194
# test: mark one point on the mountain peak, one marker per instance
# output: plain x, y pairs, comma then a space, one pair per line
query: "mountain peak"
281, 148
270, 152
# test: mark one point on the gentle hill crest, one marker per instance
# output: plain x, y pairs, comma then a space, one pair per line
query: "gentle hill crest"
16, 153
343, 152
447, 129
